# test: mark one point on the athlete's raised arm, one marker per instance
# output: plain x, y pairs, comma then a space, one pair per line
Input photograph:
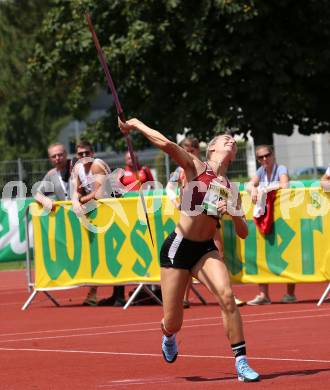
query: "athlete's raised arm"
178, 154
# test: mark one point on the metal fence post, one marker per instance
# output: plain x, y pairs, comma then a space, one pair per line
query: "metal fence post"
314, 160
27, 253
167, 167
20, 173
19, 170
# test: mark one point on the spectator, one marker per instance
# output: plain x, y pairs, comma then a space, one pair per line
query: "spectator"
133, 180
269, 177
89, 179
325, 180
56, 181
191, 145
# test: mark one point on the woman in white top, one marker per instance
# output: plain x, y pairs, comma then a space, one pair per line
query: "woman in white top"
269, 176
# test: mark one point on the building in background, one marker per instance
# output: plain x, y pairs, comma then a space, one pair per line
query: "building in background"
310, 153
70, 134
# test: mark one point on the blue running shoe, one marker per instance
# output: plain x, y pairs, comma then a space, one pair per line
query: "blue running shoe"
169, 348
245, 372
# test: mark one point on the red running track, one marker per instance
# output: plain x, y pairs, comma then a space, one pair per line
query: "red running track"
75, 347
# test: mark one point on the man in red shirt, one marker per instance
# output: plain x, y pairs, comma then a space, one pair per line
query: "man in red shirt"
133, 180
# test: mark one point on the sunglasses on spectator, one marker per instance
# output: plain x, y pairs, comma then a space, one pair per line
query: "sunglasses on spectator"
84, 153
264, 156
57, 155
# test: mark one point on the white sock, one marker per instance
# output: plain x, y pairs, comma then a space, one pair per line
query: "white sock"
240, 358
170, 338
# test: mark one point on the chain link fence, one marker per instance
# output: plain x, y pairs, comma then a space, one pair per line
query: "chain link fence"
17, 177
304, 162
30, 172
21, 171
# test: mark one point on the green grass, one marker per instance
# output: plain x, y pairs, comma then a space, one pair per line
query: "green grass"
12, 265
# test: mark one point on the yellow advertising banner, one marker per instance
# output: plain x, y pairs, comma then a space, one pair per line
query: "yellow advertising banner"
111, 244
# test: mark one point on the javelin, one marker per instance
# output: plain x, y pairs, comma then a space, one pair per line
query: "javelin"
120, 111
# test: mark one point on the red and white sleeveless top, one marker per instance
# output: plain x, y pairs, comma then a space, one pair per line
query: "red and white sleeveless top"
194, 192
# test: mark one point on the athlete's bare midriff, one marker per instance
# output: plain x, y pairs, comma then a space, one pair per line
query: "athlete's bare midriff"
196, 228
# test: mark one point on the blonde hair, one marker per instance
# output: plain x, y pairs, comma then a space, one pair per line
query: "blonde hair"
210, 144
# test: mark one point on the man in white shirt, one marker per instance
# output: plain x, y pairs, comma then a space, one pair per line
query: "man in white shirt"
90, 182
56, 181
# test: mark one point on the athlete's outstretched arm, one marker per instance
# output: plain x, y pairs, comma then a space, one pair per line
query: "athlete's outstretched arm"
178, 154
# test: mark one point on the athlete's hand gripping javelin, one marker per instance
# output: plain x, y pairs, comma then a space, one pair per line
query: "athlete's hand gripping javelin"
126, 127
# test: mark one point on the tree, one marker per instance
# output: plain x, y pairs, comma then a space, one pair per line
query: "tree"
159, 61
29, 111
256, 65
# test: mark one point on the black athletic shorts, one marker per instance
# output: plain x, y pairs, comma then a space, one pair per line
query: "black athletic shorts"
178, 252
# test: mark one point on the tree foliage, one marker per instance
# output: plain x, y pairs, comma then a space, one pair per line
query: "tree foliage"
30, 113
255, 65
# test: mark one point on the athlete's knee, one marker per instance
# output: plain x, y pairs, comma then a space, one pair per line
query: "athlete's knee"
227, 300
170, 327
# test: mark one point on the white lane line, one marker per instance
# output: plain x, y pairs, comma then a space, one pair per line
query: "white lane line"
139, 381
286, 318
158, 322
83, 335
13, 291
158, 355
155, 329
142, 382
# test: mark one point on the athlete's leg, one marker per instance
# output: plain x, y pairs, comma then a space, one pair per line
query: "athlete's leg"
186, 303
213, 273
173, 283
